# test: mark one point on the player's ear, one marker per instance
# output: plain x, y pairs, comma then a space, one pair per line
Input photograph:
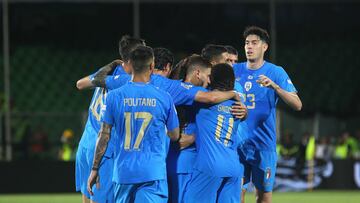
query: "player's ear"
167, 68
152, 66
265, 46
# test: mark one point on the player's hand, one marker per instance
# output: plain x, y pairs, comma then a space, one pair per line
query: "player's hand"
239, 110
93, 178
186, 140
265, 81
237, 97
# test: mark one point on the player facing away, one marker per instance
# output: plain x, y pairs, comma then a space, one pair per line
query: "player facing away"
217, 171
264, 83
141, 114
85, 152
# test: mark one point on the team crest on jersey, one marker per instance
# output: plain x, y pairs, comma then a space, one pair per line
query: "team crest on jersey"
267, 173
248, 86
250, 77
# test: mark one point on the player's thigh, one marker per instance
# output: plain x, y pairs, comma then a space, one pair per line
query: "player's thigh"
230, 191
183, 183
153, 191
263, 173
202, 188
245, 160
82, 171
124, 193
105, 193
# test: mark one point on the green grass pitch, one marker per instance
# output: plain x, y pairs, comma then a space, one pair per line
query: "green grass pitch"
290, 197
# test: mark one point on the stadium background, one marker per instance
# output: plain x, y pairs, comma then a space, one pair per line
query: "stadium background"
54, 43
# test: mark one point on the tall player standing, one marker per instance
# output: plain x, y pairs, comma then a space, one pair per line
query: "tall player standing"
264, 83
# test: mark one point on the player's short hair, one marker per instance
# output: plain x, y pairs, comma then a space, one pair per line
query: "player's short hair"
231, 50
189, 64
176, 73
141, 58
163, 56
212, 52
222, 77
254, 30
127, 44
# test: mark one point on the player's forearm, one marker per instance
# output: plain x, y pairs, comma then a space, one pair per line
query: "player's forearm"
101, 144
100, 75
84, 83
214, 97
174, 134
290, 98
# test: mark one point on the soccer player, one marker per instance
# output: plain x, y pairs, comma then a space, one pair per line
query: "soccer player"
141, 114
87, 143
217, 171
182, 155
215, 54
164, 60
232, 55
264, 83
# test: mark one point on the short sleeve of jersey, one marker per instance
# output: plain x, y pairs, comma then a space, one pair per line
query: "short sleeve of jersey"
107, 111
172, 119
283, 80
183, 94
113, 82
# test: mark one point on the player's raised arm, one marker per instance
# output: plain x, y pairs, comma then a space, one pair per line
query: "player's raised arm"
290, 98
97, 79
100, 75
101, 145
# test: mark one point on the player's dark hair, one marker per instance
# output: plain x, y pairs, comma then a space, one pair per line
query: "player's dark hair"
212, 52
254, 30
141, 58
222, 77
188, 65
177, 73
163, 56
231, 50
127, 44
196, 61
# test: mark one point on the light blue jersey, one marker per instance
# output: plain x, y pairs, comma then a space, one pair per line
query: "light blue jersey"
140, 113
258, 150
86, 148
261, 102
181, 93
217, 170
93, 124
217, 141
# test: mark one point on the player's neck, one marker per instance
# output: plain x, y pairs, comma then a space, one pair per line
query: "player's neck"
142, 77
255, 64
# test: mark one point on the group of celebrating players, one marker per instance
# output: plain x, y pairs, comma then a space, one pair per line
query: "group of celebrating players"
198, 132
